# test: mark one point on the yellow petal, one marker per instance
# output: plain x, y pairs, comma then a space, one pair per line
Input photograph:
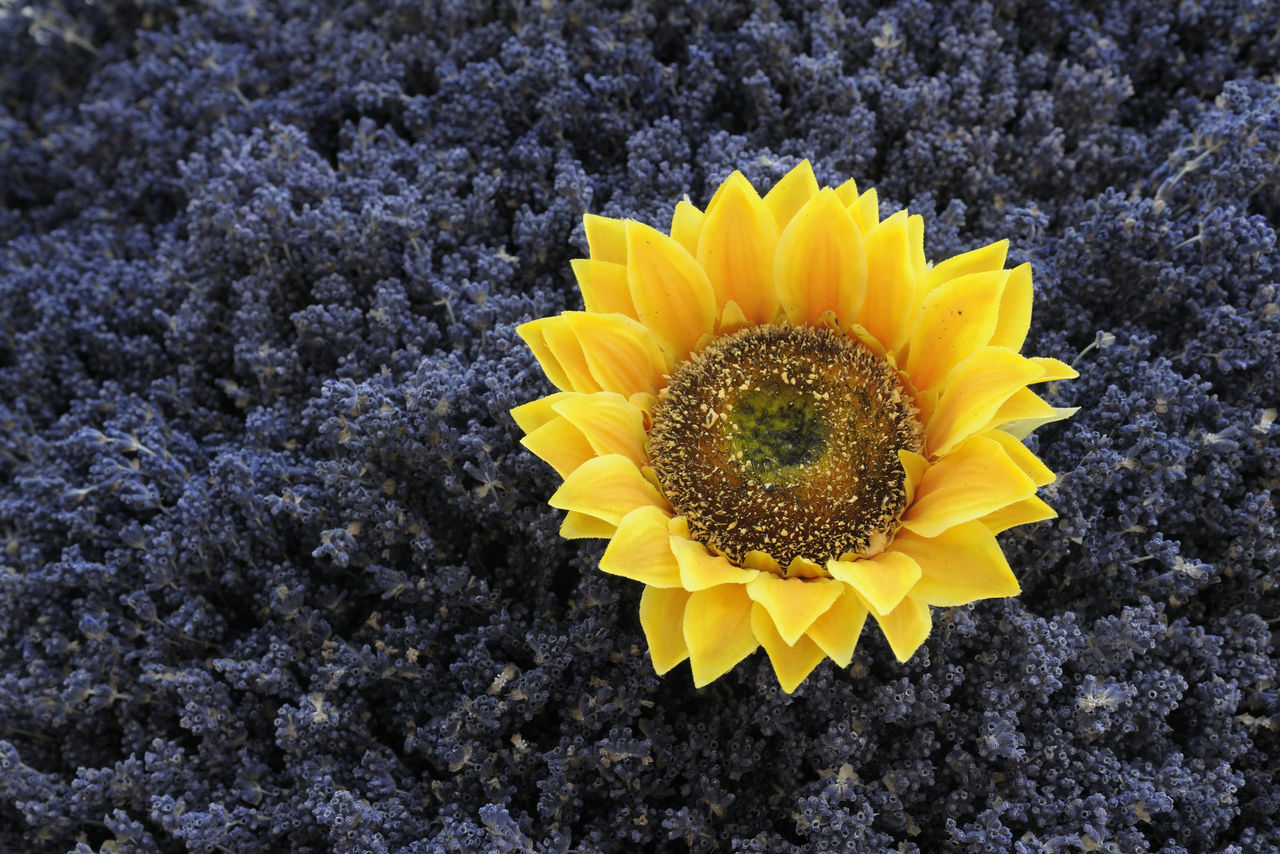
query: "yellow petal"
1023, 458
955, 319
820, 264
645, 402
662, 618
579, 526
671, 292
610, 424
1060, 413
619, 352
700, 569
762, 561
866, 339
959, 566
791, 662
970, 482
914, 466
596, 352
802, 567
882, 580
892, 290
837, 630
790, 194
686, 225
1025, 410
1023, 428
717, 631
607, 488
906, 627
982, 259
606, 238
640, 550
866, 211
915, 240
567, 347
715, 197
926, 402
847, 192
736, 248
1023, 405
974, 391
1018, 513
793, 603
532, 335
560, 444
1054, 369
679, 527
530, 416
604, 286
732, 319
1015, 310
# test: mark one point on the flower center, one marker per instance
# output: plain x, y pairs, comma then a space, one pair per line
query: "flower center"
785, 440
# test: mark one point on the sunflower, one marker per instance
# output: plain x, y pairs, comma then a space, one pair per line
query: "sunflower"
783, 419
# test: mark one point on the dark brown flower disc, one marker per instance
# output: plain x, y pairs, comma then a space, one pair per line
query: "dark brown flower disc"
785, 440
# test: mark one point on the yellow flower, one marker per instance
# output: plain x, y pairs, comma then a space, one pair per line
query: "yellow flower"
782, 418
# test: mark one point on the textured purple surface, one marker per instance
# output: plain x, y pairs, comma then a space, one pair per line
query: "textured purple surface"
276, 575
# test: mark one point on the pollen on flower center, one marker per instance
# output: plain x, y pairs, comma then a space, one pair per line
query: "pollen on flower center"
785, 440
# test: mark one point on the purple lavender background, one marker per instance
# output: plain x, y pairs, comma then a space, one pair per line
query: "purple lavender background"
275, 574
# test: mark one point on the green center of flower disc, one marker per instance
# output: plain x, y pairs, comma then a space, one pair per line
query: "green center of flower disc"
775, 430
785, 440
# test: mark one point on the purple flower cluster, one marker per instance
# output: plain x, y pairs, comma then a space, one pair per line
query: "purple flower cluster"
275, 573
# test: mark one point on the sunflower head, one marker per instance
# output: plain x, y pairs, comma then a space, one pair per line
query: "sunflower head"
783, 419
